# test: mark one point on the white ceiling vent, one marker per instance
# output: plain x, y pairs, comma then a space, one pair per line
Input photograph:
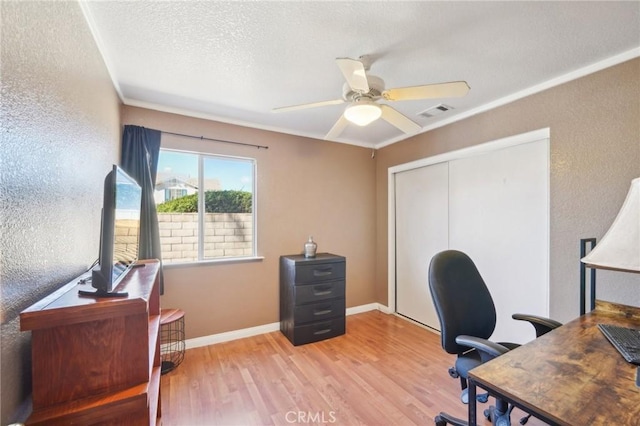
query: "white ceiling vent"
436, 110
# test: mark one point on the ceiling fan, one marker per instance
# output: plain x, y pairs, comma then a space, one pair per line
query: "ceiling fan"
362, 92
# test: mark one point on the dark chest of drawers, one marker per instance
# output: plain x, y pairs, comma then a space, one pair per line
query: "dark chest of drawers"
312, 297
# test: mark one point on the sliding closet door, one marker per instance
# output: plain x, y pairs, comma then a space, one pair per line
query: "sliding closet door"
421, 231
498, 215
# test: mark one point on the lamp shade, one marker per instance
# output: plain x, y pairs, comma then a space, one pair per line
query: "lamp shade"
619, 249
363, 112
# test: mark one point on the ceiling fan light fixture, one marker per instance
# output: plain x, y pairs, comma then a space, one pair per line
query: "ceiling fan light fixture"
363, 113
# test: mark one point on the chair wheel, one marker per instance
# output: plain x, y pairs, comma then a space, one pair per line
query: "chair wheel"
439, 421
464, 396
487, 414
524, 420
498, 418
483, 397
453, 373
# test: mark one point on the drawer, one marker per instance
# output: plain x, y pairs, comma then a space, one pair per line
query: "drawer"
319, 311
318, 331
315, 272
311, 293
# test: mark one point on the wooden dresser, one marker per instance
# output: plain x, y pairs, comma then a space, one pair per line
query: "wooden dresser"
312, 297
97, 360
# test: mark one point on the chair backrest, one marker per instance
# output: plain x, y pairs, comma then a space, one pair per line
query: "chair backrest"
461, 298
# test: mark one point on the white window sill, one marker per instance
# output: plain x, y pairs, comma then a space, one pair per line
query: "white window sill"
210, 262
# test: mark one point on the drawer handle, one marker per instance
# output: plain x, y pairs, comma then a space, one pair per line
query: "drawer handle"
325, 331
322, 290
324, 312
322, 272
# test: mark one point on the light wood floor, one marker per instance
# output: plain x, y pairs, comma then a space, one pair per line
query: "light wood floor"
383, 371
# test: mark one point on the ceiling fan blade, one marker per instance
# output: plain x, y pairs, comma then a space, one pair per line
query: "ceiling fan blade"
399, 120
453, 89
337, 128
305, 106
355, 74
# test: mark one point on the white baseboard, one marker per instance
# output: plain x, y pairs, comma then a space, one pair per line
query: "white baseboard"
385, 309
363, 308
266, 328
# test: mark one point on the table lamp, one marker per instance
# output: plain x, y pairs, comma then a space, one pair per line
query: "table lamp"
619, 249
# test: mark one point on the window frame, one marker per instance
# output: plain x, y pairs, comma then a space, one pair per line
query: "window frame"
201, 156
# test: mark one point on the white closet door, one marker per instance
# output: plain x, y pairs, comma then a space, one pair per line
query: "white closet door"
498, 215
421, 232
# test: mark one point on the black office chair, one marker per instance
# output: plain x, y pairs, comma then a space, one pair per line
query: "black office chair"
467, 319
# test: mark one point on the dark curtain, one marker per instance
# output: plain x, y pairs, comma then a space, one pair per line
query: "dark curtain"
140, 152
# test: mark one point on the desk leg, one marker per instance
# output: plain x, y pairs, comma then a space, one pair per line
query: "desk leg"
472, 402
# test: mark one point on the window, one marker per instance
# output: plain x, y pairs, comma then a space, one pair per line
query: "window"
206, 206
173, 193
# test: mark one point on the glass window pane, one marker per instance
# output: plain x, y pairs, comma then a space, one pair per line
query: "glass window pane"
228, 217
176, 196
225, 227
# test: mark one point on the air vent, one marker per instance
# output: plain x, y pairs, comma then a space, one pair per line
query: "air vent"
436, 110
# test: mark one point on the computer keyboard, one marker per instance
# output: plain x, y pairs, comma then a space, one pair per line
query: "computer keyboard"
625, 340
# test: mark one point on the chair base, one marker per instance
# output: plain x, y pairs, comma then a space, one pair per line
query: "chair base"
482, 397
497, 417
444, 419
494, 415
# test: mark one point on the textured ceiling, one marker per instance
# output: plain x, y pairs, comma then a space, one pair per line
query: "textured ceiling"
236, 61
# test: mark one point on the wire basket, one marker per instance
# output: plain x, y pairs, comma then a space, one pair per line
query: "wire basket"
172, 346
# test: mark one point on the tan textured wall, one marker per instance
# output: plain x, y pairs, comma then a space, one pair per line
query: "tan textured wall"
60, 136
595, 153
305, 187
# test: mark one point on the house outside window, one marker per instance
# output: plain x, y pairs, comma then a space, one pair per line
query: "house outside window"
173, 193
206, 206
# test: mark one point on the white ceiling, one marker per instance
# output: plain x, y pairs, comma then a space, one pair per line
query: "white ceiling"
236, 61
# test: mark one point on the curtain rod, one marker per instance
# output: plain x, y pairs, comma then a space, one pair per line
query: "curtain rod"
215, 140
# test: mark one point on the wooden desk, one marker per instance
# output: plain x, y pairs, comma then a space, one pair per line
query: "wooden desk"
570, 376
97, 360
